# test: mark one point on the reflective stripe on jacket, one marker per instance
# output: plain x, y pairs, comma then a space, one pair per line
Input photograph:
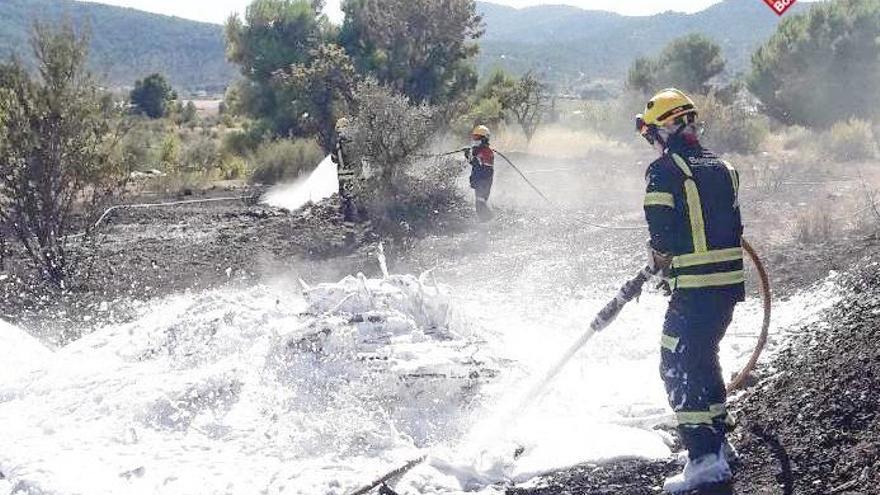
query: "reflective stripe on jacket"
692, 208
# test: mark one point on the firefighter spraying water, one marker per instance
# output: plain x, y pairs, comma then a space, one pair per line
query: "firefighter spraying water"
482, 159
693, 216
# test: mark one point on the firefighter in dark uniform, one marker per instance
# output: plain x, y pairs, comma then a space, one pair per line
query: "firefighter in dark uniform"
345, 172
693, 215
482, 160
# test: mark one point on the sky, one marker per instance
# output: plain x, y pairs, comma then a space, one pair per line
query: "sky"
217, 11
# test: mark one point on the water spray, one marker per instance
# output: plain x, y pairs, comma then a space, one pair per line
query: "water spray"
523, 176
629, 291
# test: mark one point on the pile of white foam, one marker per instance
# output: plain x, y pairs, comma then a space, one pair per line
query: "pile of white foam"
322, 389
241, 391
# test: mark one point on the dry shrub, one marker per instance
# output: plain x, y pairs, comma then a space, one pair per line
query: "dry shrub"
614, 117
732, 128
815, 226
233, 167
792, 140
200, 154
431, 199
60, 163
849, 141
797, 138
183, 183
403, 194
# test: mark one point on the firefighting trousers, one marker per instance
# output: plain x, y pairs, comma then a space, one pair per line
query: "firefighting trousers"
696, 321
346, 197
481, 182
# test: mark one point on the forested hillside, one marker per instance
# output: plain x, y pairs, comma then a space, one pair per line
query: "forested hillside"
127, 44
567, 43
563, 43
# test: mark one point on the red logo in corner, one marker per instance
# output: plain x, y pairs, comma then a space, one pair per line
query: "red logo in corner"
779, 6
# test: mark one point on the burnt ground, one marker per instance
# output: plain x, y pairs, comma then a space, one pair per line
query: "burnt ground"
141, 254
813, 426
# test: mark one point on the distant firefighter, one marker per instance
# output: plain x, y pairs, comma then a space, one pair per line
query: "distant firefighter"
482, 160
345, 171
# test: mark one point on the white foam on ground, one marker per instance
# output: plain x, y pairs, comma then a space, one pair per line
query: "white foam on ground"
319, 185
20, 353
264, 391
603, 405
231, 392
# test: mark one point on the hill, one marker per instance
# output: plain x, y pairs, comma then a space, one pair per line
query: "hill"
127, 44
567, 44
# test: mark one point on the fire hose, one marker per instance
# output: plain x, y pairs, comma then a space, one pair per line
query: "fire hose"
533, 187
629, 291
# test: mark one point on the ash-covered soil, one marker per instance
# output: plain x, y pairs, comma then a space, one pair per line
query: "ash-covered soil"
812, 425
141, 254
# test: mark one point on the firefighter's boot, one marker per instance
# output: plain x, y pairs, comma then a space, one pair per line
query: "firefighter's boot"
705, 470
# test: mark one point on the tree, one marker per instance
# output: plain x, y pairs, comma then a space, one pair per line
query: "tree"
152, 95
822, 66
420, 48
527, 102
687, 63
189, 112
56, 148
642, 75
321, 90
402, 194
273, 36
388, 130
485, 105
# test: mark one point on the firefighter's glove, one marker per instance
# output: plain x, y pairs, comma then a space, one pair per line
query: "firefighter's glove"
467, 154
663, 286
658, 262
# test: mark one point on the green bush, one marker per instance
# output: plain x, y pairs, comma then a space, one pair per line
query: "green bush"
241, 142
274, 161
849, 140
200, 155
233, 167
732, 128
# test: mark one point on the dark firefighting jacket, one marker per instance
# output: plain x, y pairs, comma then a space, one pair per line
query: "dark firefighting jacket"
692, 209
482, 160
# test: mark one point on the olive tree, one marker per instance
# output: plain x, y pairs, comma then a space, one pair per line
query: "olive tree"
57, 146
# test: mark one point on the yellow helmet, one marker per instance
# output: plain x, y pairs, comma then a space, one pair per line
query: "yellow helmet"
481, 131
664, 108
342, 123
